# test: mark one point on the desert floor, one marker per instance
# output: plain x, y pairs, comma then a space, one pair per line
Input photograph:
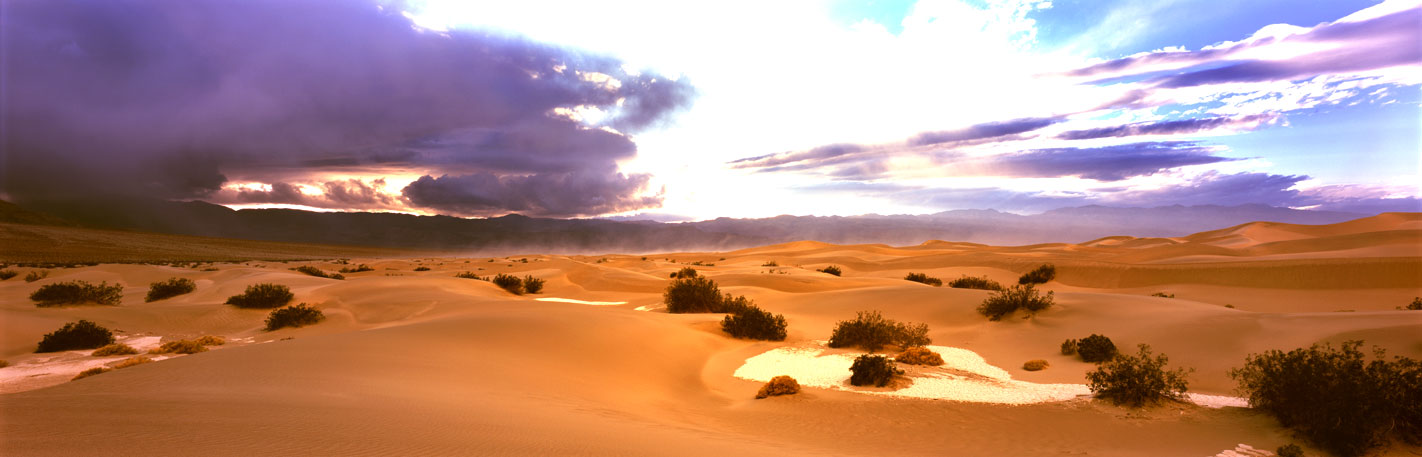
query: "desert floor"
424, 363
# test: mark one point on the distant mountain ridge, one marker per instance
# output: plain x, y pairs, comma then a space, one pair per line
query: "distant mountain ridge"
516, 233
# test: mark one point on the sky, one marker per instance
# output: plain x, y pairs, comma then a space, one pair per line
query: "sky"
692, 111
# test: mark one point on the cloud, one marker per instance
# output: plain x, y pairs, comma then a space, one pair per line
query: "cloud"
991, 130
1176, 127
350, 194
1107, 163
554, 195
169, 98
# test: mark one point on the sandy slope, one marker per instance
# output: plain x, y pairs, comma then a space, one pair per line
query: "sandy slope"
422, 363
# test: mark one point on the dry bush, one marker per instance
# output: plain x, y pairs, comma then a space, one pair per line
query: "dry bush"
684, 272
1137, 380
770, 263
90, 372
264, 295
1162, 295
77, 292
509, 282
971, 282
779, 385
209, 340
871, 331
7, 274
76, 335
532, 285
1041, 275
924, 278
4, 363
1096, 349
36, 275
469, 275
695, 294
131, 361
833, 270
919, 355
313, 271
1069, 347
1289, 450
357, 269
1415, 305
171, 288
875, 370
179, 347
294, 316
751, 322
114, 349
1035, 365
428, 268
1007, 301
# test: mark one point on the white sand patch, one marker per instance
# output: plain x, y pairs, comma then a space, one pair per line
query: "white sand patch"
965, 376
1217, 401
650, 307
1244, 450
60, 367
581, 302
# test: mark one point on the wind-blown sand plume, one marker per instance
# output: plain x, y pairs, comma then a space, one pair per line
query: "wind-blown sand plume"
424, 363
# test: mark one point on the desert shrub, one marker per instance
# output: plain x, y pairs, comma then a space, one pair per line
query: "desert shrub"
131, 361
90, 372
770, 263
7, 274
114, 349
509, 282
428, 268
76, 335
1289, 450
1035, 365
1041, 275
1336, 398
872, 331
313, 271
972, 282
179, 347
833, 270
924, 278
358, 268
684, 272
265, 295
209, 340
1415, 305
294, 316
919, 355
171, 288
696, 294
1137, 380
875, 370
1162, 295
752, 323
4, 363
532, 285
1069, 347
469, 275
1096, 349
36, 275
78, 292
1007, 301
779, 385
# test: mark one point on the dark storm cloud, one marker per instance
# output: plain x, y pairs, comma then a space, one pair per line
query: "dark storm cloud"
167, 98
1176, 127
1108, 163
555, 195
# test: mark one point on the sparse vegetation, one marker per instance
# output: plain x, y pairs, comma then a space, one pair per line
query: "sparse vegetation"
1069, 347
770, 263
4, 363
1035, 365
77, 292
919, 355
131, 361
265, 295
1162, 295
36, 275
209, 340
469, 275
972, 282
1096, 349
779, 385
294, 316
1041, 275
171, 288
1415, 305
7, 274
1137, 380
1336, 398
179, 347
833, 270
684, 272
872, 370
359, 268
750, 322
90, 372
1289, 450
313, 271
114, 349
428, 268
872, 331
76, 335
1007, 301
924, 278
532, 285
509, 282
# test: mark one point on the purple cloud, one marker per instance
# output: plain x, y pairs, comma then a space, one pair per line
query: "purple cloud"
991, 130
1176, 127
554, 195
1108, 163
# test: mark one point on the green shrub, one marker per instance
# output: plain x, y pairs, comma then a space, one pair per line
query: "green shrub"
265, 295
1137, 380
684, 272
872, 331
77, 292
114, 349
779, 385
509, 282
171, 288
833, 270
752, 323
1007, 301
1041, 275
919, 355
1336, 398
90, 372
179, 347
36, 275
1415, 305
76, 335
313, 271
7, 274
1035, 365
924, 278
971, 282
294, 316
872, 370
1069, 347
358, 268
532, 285
1289, 450
1096, 349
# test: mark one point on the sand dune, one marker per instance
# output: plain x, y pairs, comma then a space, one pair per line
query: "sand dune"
423, 363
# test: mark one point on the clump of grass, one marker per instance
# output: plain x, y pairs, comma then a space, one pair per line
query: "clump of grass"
131, 361
36, 275
171, 288
684, 272
179, 347
265, 295
313, 271
76, 335
833, 270
779, 385
114, 349
77, 292
90, 372
294, 316
872, 370
1137, 380
919, 355
972, 282
871, 331
532, 285
1035, 365
924, 278
1096, 349
356, 269
1007, 301
509, 282
209, 340
751, 322
1041, 275
7, 274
